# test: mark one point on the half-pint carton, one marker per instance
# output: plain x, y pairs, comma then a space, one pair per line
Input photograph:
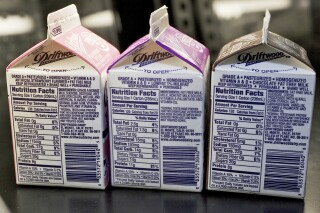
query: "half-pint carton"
156, 93
57, 106
262, 100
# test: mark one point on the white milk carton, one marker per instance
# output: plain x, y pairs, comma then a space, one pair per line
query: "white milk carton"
156, 93
57, 106
262, 101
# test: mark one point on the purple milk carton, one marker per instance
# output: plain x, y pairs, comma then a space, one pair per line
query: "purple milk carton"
156, 93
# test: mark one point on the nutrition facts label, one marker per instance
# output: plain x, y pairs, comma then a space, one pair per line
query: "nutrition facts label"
238, 127
36, 130
136, 136
260, 133
57, 129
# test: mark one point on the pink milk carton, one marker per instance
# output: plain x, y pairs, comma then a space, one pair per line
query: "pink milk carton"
57, 106
156, 92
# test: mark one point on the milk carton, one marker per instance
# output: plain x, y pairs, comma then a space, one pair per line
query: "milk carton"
262, 94
57, 106
156, 93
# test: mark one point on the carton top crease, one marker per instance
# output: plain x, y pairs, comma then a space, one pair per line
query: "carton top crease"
64, 28
171, 40
263, 37
265, 28
62, 21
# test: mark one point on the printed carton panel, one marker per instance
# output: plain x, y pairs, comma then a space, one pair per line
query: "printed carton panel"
289, 47
238, 45
256, 131
48, 130
88, 46
151, 58
184, 47
156, 136
52, 58
264, 59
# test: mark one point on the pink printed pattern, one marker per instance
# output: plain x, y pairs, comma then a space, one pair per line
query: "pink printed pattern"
88, 46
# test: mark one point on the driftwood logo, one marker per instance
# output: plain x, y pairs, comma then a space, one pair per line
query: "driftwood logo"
144, 59
44, 58
249, 58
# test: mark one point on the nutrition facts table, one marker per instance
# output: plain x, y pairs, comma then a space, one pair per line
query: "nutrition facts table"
238, 129
135, 119
36, 130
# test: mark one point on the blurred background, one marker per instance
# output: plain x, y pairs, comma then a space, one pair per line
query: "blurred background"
212, 22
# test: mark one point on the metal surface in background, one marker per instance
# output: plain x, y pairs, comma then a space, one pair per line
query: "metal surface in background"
208, 25
181, 16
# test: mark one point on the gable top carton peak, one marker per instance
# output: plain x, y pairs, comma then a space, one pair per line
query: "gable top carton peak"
171, 40
64, 29
263, 37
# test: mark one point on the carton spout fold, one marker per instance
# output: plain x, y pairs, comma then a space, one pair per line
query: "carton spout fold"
62, 21
159, 21
265, 28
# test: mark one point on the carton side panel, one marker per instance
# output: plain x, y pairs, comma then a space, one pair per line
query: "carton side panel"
294, 150
12, 131
156, 130
313, 84
57, 127
81, 131
207, 107
210, 126
260, 132
207, 119
110, 136
105, 128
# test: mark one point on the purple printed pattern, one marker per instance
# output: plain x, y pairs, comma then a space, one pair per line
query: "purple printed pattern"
132, 47
184, 47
